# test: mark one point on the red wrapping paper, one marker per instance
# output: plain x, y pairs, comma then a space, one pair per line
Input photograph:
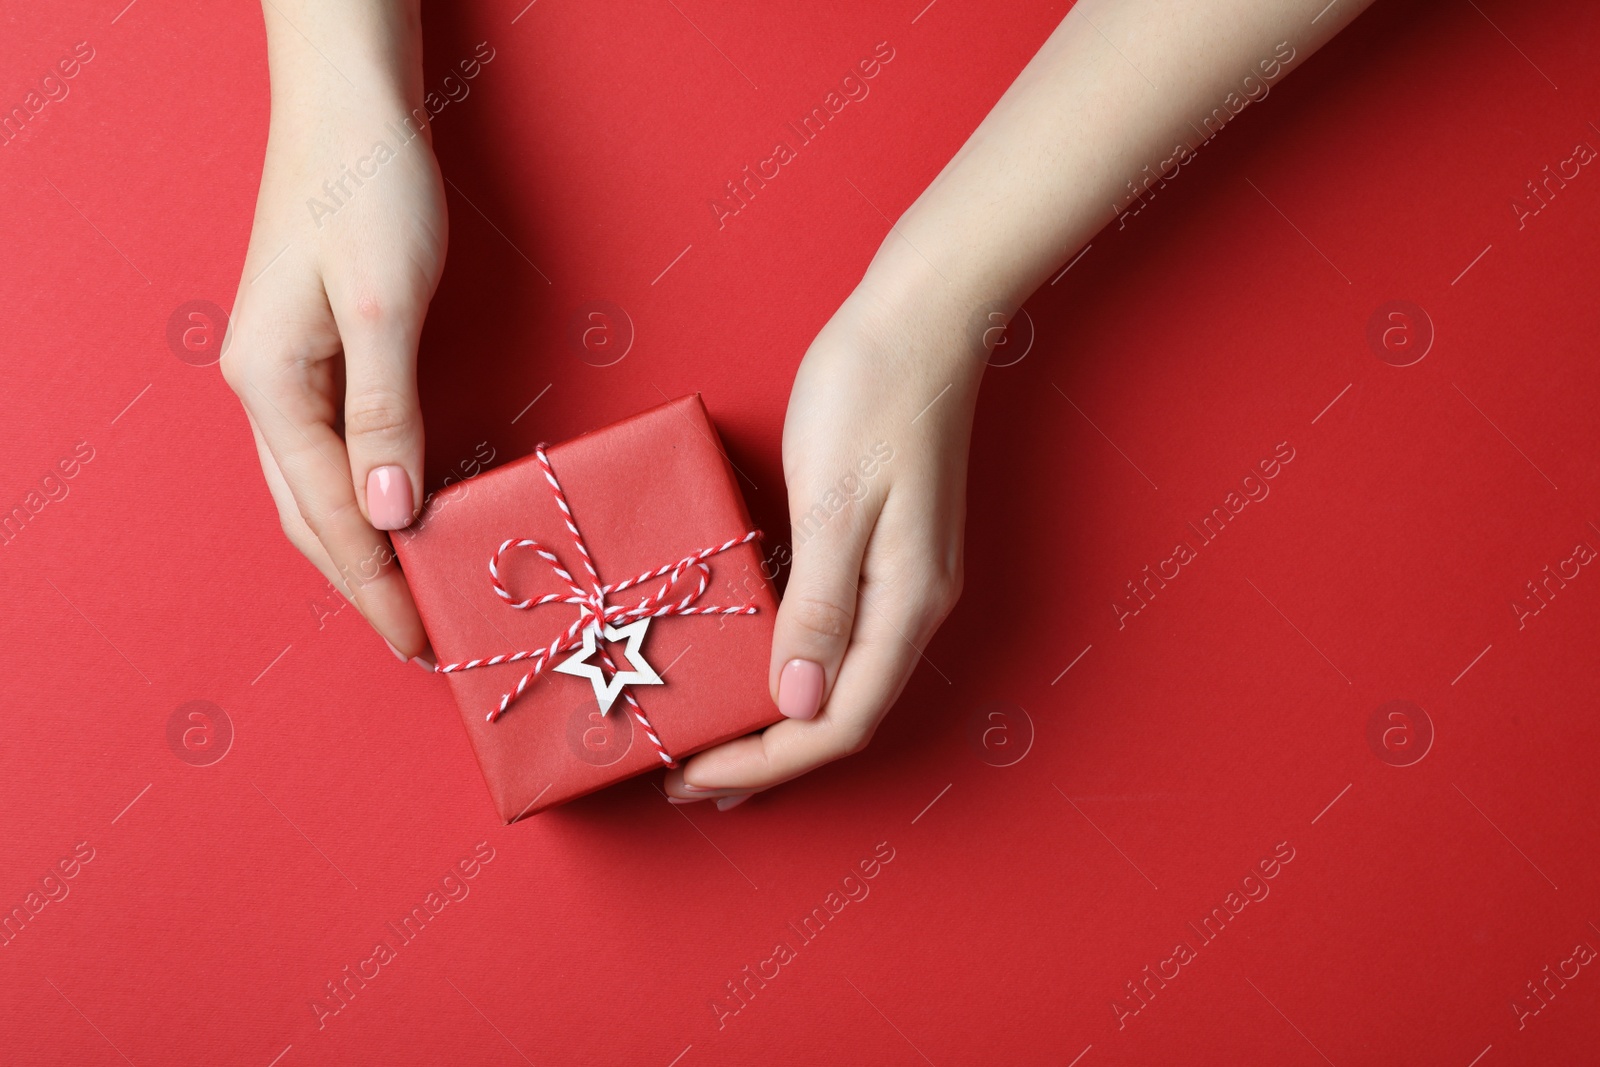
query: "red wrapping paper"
644, 491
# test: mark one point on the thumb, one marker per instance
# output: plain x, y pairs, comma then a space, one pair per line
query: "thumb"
382, 414
818, 612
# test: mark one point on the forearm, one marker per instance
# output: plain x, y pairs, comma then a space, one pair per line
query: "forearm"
1119, 92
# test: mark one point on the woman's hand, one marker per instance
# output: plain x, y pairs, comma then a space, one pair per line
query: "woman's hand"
875, 457
345, 253
1081, 130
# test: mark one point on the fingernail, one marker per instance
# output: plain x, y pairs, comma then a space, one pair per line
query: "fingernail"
401, 656
389, 498
684, 800
696, 788
800, 689
424, 664
729, 803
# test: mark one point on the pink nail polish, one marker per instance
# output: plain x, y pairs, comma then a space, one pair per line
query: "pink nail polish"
424, 664
389, 498
800, 689
696, 788
401, 656
729, 803
684, 800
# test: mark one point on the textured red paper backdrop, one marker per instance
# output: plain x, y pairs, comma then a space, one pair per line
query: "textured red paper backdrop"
1061, 798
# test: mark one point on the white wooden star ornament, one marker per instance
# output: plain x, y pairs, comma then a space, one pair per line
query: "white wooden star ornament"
606, 692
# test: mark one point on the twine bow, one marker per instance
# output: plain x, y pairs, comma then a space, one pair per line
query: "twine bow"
594, 614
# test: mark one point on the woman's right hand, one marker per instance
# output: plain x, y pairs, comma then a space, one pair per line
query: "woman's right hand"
345, 253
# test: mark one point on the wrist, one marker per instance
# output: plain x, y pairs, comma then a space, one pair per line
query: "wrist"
910, 304
363, 55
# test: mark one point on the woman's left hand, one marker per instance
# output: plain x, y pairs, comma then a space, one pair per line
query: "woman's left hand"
875, 457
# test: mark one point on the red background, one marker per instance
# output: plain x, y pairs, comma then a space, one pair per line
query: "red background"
1230, 715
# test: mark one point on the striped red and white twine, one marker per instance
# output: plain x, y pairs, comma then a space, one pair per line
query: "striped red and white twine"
593, 611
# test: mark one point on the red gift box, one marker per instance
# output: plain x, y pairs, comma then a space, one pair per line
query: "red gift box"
647, 496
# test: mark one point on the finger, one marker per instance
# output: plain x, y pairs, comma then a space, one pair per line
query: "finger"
818, 611
885, 647
300, 535
724, 801
289, 517
283, 395
382, 414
